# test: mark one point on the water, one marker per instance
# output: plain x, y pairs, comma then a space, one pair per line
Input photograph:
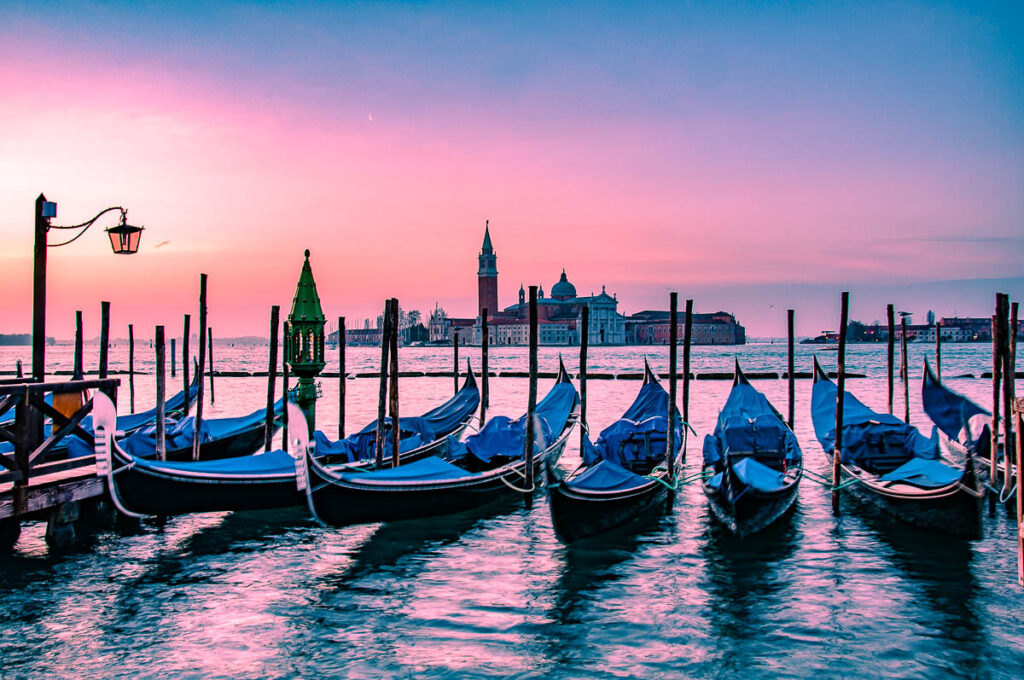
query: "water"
494, 594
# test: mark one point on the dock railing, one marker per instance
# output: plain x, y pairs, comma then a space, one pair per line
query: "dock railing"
25, 431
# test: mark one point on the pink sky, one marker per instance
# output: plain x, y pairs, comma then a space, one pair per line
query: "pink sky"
234, 172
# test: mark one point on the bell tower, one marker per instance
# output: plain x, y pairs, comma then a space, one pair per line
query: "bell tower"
487, 275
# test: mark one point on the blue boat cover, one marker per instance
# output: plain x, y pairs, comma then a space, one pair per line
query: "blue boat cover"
926, 473
425, 469
748, 423
608, 476
715, 480
179, 435
269, 463
870, 440
131, 422
414, 432
641, 431
758, 475
954, 414
504, 437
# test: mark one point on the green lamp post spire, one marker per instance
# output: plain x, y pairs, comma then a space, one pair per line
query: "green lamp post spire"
306, 342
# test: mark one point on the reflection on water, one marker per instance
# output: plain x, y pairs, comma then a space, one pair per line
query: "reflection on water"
494, 594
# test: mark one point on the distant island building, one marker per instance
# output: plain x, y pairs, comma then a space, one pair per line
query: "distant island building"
560, 316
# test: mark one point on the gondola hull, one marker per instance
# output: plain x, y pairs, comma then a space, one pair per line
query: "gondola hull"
954, 509
577, 515
744, 510
150, 493
342, 501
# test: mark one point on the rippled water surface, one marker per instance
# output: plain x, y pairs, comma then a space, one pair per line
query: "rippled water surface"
494, 594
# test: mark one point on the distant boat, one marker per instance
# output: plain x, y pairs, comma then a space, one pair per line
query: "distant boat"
753, 460
893, 467
623, 474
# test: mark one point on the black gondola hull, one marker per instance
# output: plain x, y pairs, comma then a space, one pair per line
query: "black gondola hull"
744, 510
954, 509
577, 515
340, 503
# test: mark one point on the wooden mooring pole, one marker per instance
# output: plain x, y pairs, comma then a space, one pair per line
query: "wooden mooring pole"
837, 451
161, 394
890, 313
791, 366
341, 377
185, 366
584, 344
131, 367
78, 373
209, 350
485, 387
382, 397
268, 433
1009, 375
174, 357
904, 369
687, 339
104, 338
286, 350
673, 350
531, 404
455, 361
196, 432
997, 372
938, 350
396, 430
1019, 422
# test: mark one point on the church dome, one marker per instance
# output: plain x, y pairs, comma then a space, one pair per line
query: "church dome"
563, 290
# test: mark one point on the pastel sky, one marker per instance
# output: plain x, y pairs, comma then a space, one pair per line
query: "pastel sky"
754, 156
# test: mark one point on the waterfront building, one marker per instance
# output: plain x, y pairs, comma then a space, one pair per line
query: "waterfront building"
653, 327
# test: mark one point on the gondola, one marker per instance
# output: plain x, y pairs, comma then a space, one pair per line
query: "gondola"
623, 474
488, 466
892, 466
218, 437
141, 486
965, 425
753, 462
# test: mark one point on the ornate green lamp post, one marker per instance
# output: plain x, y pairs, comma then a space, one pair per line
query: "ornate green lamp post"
306, 342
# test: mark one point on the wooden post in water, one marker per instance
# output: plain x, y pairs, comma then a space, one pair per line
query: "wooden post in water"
837, 451
268, 433
174, 357
673, 342
209, 350
184, 364
687, 338
161, 395
455, 362
78, 373
997, 371
1019, 409
341, 377
285, 357
385, 345
485, 388
1009, 375
1011, 372
584, 344
104, 338
904, 370
396, 432
196, 432
791, 360
890, 313
938, 350
531, 404
131, 367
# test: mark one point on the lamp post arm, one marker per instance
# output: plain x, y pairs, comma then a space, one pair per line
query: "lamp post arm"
84, 226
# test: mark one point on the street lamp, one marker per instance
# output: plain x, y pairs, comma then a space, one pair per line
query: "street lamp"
124, 239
